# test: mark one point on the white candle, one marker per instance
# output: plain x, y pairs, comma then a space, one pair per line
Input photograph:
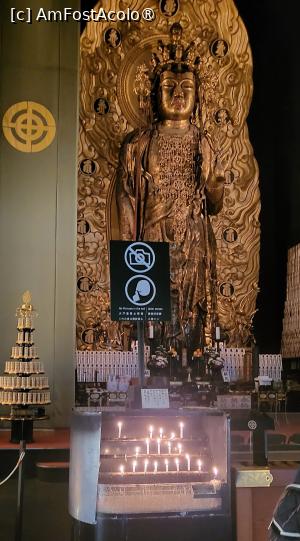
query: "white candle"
169, 447
188, 462
179, 448
158, 446
121, 469
146, 462
172, 435
147, 446
161, 431
215, 472
155, 467
199, 462
137, 450
150, 432
119, 429
134, 464
177, 464
167, 465
218, 333
181, 425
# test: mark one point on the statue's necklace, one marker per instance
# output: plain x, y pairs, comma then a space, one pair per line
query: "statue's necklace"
177, 175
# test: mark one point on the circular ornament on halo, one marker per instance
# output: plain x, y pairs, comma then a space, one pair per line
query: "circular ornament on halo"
101, 106
221, 117
83, 227
84, 284
219, 48
112, 37
88, 336
230, 234
169, 8
226, 289
87, 166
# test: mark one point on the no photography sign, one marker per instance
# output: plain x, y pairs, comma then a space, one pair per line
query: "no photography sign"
139, 281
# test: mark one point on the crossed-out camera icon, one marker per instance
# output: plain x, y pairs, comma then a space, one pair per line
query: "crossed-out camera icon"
139, 257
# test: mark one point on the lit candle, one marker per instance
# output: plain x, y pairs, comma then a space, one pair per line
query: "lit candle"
150, 432
146, 462
167, 465
158, 446
179, 448
134, 464
155, 467
177, 464
121, 469
147, 446
161, 431
120, 429
106, 451
181, 425
169, 447
188, 462
172, 435
215, 472
199, 462
137, 450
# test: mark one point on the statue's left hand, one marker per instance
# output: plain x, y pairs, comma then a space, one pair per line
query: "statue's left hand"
221, 163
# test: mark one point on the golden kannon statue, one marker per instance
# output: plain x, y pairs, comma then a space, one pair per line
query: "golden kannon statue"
168, 183
190, 152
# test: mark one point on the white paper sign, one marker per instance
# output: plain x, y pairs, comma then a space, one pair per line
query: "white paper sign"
155, 398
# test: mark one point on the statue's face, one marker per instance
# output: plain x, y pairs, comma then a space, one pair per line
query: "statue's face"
176, 95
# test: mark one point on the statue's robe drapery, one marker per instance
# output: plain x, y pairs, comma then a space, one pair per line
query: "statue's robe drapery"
173, 201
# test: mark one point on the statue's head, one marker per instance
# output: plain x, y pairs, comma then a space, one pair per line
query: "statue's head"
176, 95
171, 82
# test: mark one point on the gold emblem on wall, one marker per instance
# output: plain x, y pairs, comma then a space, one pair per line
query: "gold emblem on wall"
29, 126
107, 75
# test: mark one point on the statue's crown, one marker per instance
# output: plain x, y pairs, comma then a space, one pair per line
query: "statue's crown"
170, 56
174, 54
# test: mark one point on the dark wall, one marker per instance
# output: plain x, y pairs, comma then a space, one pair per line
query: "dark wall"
274, 120
274, 124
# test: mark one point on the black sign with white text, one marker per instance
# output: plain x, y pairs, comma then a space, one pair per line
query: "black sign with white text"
139, 281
